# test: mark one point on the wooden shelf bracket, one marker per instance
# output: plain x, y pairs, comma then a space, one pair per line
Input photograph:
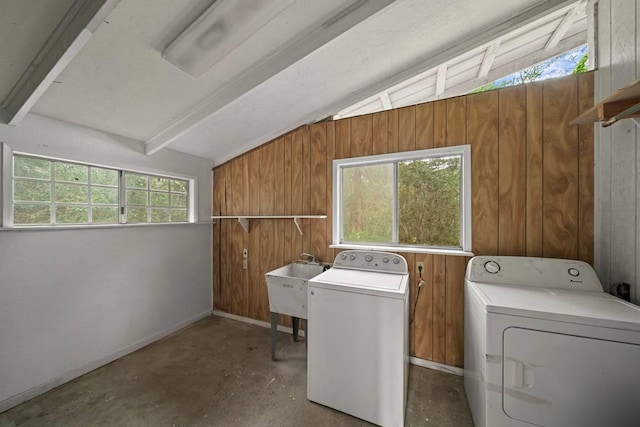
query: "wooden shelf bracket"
244, 219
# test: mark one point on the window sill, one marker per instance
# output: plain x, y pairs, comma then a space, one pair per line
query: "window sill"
434, 251
100, 227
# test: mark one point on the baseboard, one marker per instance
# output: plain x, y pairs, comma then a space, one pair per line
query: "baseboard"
75, 373
437, 366
413, 360
254, 322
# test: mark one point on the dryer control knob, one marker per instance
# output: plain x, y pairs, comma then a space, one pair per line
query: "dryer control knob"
343, 257
491, 267
396, 261
368, 257
573, 272
352, 257
385, 259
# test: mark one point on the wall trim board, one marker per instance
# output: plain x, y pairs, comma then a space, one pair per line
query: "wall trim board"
251, 321
75, 373
436, 366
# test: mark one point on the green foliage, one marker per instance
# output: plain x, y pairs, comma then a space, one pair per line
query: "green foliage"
24, 214
428, 202
71, 173
581, 66
179, 200
104, 177
135, 215
104, 215
490, 86
159, 184
178, 215
159, 199
30, 167
367, 197
527, 75
34, 187
71, 193
138, 198
159, 215
179, 186
104, 196
72, 214
135, 180
31, 191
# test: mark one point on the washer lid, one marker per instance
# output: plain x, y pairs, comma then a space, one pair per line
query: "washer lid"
582, 307
367, 282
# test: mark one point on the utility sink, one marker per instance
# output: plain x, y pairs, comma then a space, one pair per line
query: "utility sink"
287, 287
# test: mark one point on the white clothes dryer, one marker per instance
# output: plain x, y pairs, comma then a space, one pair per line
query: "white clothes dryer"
545, 346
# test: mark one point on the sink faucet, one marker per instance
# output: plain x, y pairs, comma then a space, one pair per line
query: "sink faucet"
312, 257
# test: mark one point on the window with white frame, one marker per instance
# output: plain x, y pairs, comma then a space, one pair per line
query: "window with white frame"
49, 192
417, 199
155, 198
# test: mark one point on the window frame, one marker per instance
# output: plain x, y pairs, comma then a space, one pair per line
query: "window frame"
7, 156
149, 206
464, 151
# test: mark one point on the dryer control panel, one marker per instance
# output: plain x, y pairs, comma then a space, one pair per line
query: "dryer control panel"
529, 271
371, 261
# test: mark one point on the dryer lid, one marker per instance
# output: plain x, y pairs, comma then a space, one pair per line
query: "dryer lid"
582, 307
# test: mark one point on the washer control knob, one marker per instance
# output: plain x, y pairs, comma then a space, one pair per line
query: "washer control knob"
352, 257
368, 257
573, 272
396, 261
385, 259
343, 257
491, 267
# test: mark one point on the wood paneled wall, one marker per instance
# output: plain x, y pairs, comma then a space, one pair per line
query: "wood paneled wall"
532, 184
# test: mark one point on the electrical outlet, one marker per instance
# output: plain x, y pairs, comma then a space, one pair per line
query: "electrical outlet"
419, 266
244, 264
245, 253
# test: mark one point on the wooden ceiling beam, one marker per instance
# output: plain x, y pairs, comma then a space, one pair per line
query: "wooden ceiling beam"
441, 79
66, 40
386, 101
288, 54
489, 57
565, 24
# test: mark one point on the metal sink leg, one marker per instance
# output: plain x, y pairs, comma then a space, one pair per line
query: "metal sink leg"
274, 334
296, 327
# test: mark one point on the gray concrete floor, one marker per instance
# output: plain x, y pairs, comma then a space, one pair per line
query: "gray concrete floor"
218, 372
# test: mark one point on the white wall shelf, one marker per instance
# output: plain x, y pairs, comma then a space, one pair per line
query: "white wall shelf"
244, 219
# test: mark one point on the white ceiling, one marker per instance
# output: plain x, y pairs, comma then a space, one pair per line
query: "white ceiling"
24, 27
314, 67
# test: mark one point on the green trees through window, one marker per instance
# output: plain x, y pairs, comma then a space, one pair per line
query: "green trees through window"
429, 202
155, 199
415, 201
49, 192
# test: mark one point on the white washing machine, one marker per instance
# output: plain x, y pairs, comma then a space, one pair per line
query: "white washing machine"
358, 348
545, 346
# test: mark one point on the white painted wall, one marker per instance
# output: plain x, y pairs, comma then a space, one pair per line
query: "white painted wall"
72, 300
617, 226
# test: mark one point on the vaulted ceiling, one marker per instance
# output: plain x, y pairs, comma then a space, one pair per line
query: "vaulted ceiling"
98, 63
